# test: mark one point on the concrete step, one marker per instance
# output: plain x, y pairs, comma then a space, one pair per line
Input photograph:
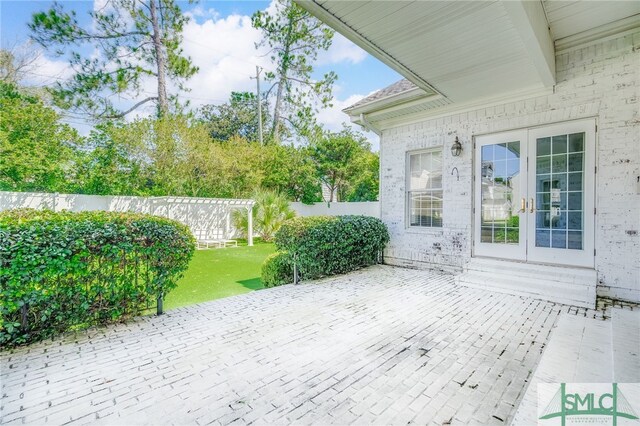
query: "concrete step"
567, 285
557, 292
552, 272
585, 350
625, 334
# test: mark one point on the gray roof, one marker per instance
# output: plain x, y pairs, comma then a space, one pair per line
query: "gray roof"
396, 88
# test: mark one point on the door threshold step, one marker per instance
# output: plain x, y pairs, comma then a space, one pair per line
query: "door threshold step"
559, 284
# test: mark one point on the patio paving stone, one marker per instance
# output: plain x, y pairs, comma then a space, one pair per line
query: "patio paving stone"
380, 345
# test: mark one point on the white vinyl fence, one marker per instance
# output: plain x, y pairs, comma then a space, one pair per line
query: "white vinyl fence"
367, 208
208, 218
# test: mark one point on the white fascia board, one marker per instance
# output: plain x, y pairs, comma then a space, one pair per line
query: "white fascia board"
459, 108
598, 34
387, 101
530, 21
343, 28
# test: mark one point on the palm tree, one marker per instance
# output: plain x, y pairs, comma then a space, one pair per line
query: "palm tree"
271, 210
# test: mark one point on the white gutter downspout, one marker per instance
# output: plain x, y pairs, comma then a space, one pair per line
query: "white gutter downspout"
366, 123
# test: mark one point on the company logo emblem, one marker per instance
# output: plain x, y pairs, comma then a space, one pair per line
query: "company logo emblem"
592, 403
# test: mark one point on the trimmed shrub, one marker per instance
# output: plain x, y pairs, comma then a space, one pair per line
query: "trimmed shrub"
277, 269
329, 245
67, 271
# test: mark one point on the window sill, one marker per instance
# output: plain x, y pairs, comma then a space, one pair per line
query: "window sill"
423, 230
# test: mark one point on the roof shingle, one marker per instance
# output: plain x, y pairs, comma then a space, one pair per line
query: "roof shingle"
396, 88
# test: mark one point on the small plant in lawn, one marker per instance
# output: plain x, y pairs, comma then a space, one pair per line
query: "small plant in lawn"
271, 210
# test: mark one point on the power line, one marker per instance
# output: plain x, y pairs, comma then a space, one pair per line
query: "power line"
184, 95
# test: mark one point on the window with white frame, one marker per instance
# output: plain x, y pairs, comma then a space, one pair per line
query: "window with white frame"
424, 188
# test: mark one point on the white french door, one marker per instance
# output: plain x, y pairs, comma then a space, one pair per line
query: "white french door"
535, 194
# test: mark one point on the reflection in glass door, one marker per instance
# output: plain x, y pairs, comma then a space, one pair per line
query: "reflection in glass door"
559, 191
500, 192
500, 183
561, 185
534, 194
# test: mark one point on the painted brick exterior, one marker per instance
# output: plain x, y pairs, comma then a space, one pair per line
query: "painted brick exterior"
600, 80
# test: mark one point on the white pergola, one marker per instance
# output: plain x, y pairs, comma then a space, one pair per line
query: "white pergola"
204, 214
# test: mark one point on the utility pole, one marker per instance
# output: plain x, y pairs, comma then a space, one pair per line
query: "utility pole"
258, 71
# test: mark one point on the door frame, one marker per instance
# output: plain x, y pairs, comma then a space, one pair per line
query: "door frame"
586, 256
504, 251
582, 258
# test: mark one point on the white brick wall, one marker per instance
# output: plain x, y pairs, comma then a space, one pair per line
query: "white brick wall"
600, 80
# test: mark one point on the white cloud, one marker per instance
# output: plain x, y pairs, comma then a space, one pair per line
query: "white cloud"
341, 50
43, 71
333, 118
201, 12
224, 50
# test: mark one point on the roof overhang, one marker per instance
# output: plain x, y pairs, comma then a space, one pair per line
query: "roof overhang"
464, 51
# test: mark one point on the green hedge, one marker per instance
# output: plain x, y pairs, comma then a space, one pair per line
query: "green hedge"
68, 271
277, 269
328, 245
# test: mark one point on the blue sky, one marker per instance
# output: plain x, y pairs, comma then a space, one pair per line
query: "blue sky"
220, 40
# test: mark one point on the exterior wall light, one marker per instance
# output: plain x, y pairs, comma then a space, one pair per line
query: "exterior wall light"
456, 148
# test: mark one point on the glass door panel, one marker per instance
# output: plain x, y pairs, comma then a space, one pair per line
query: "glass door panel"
559, 177
500, 194
562, 190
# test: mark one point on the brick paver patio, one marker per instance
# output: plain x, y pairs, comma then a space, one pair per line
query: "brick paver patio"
381, 345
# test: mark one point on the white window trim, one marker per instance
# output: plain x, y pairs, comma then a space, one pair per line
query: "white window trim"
407, 189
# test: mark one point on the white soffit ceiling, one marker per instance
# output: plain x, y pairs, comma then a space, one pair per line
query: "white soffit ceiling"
567, 18
467, 49
463, 49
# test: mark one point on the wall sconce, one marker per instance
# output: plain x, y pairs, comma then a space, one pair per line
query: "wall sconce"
456, 148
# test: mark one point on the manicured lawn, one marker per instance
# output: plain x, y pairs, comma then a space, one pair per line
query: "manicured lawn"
218, 273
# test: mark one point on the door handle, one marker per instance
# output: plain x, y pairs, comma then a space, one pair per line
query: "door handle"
523, 205
531, 207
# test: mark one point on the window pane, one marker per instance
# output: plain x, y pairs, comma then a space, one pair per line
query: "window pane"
425, 189
559, 239
559, 144
543, 238
414, 167
559, 163
543, 146
575, 162
575, 240
576, 142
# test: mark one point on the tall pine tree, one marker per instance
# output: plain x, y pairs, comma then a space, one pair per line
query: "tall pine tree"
127, 41
294, 38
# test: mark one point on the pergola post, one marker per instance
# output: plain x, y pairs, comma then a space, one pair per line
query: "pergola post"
250, 226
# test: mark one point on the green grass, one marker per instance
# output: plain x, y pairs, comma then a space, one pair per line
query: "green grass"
217, 273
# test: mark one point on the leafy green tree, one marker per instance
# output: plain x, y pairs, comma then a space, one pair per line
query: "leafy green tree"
290, 171
134, 39
36, 150
269, 213
229, 170
236, 118
294, 38
109, 166
364, 179
343, 162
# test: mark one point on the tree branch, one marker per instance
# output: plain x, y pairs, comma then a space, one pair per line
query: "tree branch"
122, 114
